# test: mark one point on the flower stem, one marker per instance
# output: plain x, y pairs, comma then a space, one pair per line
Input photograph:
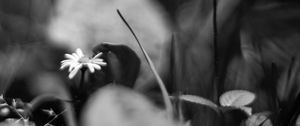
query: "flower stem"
81, 83
55, 117
80, 96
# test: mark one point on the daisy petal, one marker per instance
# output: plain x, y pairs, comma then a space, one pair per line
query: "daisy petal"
98, 55
64, 65
102, 63
64, 61
67, 64
69, 56
74, 71
79, 52
70, 68
96, 66
75, 56
72, 65
97, 60
91, 68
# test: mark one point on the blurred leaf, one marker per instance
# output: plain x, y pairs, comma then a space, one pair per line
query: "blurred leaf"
287, 87
115, 105
237, 98
232, 116
50, 91
78, 23
289, 114
17, 122
15, 59
273, 30
123, 63
259, 119
248, 110
199, 100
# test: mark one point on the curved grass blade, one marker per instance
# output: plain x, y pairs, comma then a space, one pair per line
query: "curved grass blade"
165, 94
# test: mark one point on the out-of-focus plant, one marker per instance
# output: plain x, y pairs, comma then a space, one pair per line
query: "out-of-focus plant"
259, 119
116, 105
233, 105
17, 112
161, 84
85, 24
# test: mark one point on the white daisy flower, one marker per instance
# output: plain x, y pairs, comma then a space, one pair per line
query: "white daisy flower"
78, 60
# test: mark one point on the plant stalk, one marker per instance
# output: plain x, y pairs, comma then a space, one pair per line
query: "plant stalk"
165, 94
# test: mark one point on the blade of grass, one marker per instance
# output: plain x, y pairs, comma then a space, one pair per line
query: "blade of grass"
216, 53
165, 94
173, 66
174, 79
291, 75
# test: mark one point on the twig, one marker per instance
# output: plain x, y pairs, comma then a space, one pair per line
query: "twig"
44, 98
55, 117
14, 109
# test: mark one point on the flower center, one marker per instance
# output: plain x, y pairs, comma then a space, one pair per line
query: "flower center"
84, 60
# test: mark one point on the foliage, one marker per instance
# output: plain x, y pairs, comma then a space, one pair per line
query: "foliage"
228, 63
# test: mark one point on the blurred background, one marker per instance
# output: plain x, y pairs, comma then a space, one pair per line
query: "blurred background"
258, 45
65, 25
35, 34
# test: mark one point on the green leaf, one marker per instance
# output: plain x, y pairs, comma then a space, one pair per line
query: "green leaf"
237, 98
199, 100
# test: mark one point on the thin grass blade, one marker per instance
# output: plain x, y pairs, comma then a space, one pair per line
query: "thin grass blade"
165, 94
